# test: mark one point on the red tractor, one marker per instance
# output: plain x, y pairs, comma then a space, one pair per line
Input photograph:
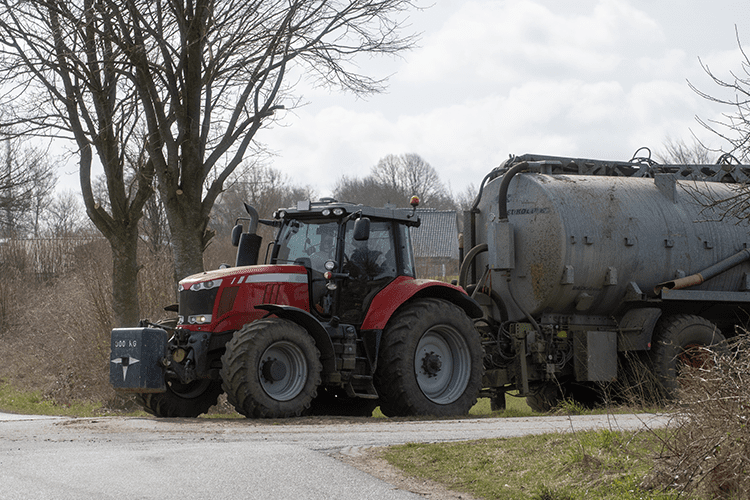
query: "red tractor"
335, 322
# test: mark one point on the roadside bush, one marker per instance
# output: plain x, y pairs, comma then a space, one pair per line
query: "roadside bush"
708, 452
56, 331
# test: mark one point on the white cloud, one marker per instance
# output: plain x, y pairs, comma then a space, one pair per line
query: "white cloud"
510, 40
562, 77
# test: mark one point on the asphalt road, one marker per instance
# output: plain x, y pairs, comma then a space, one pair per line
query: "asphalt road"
133, 458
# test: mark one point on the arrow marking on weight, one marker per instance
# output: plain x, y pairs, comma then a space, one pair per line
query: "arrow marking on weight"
125, 362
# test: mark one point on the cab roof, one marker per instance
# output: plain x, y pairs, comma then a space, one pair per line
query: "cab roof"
334, 209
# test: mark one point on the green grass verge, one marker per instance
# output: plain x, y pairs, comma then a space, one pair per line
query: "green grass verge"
585, 465
13, 400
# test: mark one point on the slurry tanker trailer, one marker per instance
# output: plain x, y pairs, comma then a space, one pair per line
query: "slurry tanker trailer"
583, 266
574, 269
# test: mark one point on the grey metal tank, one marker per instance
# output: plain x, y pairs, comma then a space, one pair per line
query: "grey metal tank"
579, 243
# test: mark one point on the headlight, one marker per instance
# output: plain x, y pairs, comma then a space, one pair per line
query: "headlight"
338, 211
199, 319
205, 285
330, 265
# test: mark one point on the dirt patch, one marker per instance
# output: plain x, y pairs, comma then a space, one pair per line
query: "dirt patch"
370, 460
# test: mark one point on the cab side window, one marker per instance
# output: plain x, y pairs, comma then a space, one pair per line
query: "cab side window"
374, 258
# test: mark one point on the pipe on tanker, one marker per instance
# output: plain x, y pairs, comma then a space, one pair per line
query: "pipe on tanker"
467, 262
706, 274
502, 211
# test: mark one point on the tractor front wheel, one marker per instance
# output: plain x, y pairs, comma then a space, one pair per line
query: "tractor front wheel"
182, 400
430, 361
271, 369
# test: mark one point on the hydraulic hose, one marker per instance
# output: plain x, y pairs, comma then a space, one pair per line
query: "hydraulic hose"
468, 261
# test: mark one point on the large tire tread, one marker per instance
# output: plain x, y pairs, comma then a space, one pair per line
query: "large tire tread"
673, 334
239, 370
396, 379
171, 404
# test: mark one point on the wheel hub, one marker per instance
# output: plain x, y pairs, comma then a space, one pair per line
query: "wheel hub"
431, 364
442, 364
273, 370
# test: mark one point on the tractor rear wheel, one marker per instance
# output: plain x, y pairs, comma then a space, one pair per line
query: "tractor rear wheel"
430, 361
271, 369
681, 340
182, 400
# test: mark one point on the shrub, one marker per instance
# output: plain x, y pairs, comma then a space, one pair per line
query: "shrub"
708, 452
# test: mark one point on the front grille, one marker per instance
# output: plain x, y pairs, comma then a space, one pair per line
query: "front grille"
197, 302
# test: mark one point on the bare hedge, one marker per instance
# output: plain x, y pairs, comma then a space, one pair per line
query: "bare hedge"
707, 452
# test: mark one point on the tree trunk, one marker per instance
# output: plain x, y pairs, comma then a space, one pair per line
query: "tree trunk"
188, 229
125, 303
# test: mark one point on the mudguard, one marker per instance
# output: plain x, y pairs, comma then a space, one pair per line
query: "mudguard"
314, 327
404, 288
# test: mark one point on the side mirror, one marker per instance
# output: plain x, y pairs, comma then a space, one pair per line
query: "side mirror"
236, 233
362, 229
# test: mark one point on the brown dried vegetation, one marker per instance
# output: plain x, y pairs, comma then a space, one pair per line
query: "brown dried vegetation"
55, 329
707, 452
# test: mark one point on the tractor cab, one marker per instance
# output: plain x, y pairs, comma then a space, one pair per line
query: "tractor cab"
351, 253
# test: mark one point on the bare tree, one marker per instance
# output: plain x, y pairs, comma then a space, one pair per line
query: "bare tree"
26, 184
64, 215
367, 191
200, 77
734, 93
410, 175
264, 188
67, 79
680, 152
394, 180
734, 129
465, 199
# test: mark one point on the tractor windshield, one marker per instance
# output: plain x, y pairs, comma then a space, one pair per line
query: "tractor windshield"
308, 243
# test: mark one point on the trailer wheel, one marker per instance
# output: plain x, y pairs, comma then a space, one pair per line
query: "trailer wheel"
430, 361
271, 369
681, 340
182, 400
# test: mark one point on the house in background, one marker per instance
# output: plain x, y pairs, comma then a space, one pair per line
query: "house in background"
435, 244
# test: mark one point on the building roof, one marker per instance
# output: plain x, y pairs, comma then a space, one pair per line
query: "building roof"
437, 236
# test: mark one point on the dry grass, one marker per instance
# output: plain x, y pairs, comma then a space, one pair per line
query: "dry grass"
55, 331
708, 452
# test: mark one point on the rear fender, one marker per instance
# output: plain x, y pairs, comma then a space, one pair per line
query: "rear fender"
405, 288
636, 329
314, 327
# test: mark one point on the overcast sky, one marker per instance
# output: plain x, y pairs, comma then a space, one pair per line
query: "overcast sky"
586, 78
591, 78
